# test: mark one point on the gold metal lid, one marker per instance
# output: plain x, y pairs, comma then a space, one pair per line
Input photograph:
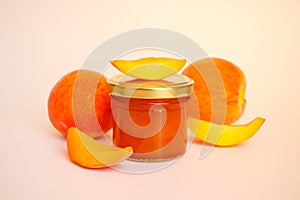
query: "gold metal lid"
171, 87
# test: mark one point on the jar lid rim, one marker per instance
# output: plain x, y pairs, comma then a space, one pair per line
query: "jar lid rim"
171, 87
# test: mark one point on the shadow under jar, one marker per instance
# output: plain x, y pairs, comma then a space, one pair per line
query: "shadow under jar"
150, 116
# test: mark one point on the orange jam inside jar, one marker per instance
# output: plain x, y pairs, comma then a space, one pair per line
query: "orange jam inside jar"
150, 116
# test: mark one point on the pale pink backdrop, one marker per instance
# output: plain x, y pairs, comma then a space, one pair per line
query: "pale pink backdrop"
42, 40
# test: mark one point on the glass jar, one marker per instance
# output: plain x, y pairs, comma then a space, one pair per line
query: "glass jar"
150, 116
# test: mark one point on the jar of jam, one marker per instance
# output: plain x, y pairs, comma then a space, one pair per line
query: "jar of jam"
150, 116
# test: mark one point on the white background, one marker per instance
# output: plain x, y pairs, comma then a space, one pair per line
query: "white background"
42, 40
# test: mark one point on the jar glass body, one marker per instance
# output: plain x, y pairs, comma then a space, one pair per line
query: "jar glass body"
156, 129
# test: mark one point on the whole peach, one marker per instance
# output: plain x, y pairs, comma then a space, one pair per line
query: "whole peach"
81, 99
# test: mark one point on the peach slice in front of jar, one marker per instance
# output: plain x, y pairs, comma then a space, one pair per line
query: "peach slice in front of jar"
89, 153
